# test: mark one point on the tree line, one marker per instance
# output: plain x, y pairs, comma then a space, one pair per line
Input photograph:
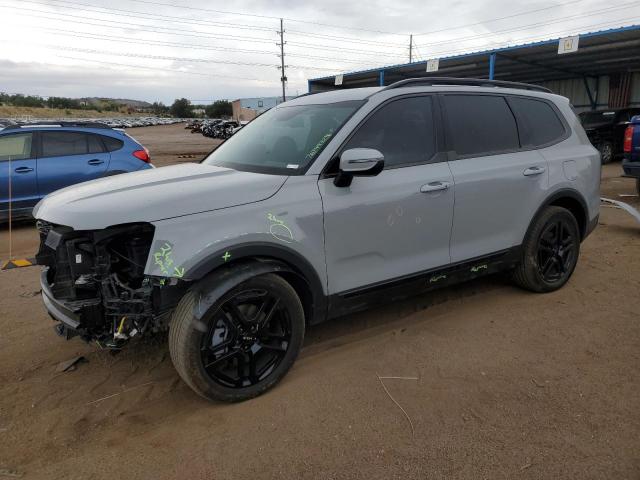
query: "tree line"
182, 107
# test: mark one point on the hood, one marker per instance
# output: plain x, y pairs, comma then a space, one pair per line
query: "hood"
154, 194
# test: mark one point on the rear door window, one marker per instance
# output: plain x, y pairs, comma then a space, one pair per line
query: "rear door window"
60, 144
16, 147
94, 144
480, 125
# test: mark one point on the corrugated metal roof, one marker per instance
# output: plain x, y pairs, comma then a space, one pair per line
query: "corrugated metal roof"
601, 52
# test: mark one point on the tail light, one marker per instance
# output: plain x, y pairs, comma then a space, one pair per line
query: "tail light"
142, 155
628, 137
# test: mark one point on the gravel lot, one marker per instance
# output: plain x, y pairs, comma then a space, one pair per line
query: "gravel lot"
508, 384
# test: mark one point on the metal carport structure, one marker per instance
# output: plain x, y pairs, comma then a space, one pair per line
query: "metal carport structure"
606, 66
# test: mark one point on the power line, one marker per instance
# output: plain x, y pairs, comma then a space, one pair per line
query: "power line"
129, 40
162, 69
149, 16
345, 49
350, 39
499, 18
526, 27
161, 43
151, 57
168, 31
227, 12
534, 38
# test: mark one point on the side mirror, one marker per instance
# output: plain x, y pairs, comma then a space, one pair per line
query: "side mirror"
365, 162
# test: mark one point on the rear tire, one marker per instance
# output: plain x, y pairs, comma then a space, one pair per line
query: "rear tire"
550, 251
243, 344
606, 152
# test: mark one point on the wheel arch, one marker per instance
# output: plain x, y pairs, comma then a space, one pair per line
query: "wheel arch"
213, 276
571, 200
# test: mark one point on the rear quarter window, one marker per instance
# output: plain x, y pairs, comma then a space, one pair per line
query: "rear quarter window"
538, 123
111, 143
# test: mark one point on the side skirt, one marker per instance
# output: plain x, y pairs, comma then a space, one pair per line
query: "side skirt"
404, 287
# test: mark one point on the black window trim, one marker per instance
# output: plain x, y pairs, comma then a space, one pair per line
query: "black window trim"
34, 153
438, 154
453, 155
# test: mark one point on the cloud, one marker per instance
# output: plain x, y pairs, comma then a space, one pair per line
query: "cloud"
115, 48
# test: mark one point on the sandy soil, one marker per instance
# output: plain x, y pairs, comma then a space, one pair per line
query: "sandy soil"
507, 384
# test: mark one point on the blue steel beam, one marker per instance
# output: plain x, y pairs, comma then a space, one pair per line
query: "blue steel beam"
492, 65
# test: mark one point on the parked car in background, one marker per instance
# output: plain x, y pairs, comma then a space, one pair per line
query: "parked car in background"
605, 129
36, 160
631, 147
324, 205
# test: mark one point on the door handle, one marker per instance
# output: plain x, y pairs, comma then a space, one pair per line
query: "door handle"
23, 170
434, 187
533, 171
95, 161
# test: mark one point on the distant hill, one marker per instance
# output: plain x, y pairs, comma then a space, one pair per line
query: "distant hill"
97, 101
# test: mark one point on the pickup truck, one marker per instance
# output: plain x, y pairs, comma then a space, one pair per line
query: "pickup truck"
631, 148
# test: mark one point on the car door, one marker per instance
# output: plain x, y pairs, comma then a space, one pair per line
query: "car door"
18, 180
498, 184
397, 223
67, 158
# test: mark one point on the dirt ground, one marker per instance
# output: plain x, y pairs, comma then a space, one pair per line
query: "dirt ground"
501, 383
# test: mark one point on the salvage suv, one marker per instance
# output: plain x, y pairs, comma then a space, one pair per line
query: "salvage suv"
322, 206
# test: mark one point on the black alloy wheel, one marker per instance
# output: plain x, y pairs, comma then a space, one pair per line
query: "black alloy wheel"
550, 251
557, 248
243, 344
248, 338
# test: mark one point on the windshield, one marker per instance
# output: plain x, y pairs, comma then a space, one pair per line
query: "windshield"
284, 140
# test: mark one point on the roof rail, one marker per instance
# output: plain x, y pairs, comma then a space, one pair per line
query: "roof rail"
58, 124
472, 82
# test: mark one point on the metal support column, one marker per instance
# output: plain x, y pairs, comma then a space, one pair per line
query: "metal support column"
381, 78
592, 101
492, 65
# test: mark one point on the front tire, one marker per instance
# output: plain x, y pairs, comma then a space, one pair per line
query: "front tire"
244, 344
550, 251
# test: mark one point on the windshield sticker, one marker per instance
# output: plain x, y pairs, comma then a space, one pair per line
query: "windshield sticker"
279, 229
293, 166
163, 258
313, 152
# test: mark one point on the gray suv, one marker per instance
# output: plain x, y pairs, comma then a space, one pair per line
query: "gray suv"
324, 205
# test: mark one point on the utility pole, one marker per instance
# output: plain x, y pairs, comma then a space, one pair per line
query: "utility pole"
283, 78
410, 48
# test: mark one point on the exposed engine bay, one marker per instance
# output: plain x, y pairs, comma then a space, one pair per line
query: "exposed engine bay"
94, 283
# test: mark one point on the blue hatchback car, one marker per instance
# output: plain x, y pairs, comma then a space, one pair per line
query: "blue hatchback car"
36, 160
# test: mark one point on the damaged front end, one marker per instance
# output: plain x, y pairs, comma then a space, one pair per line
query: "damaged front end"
94, 284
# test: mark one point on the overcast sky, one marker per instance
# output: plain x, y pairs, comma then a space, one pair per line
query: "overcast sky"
206, 50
